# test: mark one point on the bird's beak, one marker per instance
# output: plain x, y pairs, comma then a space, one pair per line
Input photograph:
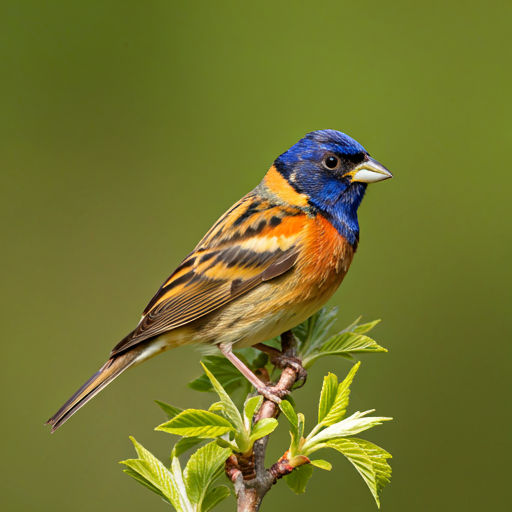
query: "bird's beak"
370, 171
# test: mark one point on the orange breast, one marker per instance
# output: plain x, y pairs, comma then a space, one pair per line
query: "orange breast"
325, 259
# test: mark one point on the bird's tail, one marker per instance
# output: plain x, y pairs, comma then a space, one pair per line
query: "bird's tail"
112, 368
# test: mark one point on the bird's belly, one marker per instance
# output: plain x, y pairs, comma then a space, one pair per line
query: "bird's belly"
265, 312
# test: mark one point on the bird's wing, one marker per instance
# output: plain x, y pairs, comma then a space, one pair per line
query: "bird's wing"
253, 242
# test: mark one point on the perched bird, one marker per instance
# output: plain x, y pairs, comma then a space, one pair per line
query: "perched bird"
270, 262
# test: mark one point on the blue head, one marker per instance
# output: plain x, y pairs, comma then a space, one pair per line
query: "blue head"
333, 170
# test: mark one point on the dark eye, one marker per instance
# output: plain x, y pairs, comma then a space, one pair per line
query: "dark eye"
331, 162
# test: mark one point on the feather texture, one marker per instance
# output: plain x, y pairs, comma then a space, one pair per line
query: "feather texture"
270, 262
255, 241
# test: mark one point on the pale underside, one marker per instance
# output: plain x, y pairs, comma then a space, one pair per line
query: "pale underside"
258, 316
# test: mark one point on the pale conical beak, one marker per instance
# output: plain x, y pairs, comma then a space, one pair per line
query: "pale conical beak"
370, 171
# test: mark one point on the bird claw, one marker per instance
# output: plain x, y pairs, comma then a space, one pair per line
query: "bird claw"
273, 393
282, 362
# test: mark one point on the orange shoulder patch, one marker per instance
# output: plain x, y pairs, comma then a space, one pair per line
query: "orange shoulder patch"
282, 189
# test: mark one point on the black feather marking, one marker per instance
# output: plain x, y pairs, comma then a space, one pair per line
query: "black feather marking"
185, 278
208, 256
251, 210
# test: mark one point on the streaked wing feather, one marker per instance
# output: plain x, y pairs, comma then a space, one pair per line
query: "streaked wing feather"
252, 243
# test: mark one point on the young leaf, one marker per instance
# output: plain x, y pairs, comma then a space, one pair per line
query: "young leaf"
300, 425
175, 469
378, 457
340, 403
351, 342
313, 332
364, 328
298, 478
169, 410
184, 444
344, 345
352, 326
229, 407
226, 374
250, 407
155, 474
225, 443
322, 464
214, 497
262, 428
194, 422
146, 483
368, 459
348, 427
290, 413
202, 469
327, 396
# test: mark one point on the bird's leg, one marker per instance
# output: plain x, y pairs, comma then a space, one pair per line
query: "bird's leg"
268, 392
286, 358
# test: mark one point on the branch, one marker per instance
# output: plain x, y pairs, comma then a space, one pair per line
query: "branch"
248, 474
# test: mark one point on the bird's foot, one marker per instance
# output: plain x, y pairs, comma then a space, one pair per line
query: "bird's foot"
281, 361
273, 393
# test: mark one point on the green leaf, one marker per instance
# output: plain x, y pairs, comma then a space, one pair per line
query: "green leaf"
194, 422
226, 374
340, 403
224, 443
290, 399
327, 396
155, 474
344, 345
180, 484
202, 470
230, 408
348, 427
250, 407
184, 444
146, 483
368, 459
364, 328
298, 478
322, 464
260, 361
169, 410
214, 497
262, 428
201, 384
351, 342
301, 425
216, 407
352, 326
378, 457
313, 332
290, 413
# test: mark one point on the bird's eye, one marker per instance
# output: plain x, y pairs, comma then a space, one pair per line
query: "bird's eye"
331, 162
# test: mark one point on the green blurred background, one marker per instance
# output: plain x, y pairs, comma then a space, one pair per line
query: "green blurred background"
127, 128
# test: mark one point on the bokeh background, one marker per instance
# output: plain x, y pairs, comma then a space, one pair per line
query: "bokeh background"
128, 127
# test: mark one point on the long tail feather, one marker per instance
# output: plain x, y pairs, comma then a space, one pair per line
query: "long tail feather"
112, 368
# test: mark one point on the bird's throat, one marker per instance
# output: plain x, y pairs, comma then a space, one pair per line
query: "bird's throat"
343, 213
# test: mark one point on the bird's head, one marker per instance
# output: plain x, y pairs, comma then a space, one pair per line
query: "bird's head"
326, 165
330, 171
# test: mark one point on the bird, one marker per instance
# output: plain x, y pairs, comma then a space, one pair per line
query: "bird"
269, 263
